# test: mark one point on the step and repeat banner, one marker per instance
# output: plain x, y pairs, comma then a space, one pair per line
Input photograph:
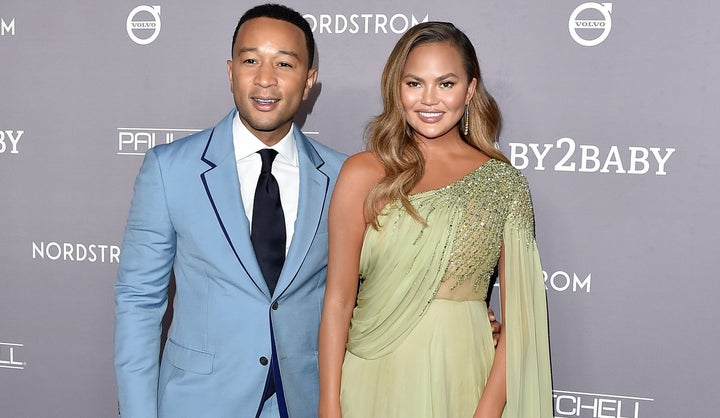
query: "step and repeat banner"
610, 110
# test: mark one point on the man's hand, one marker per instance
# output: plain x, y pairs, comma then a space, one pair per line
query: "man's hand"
495, 325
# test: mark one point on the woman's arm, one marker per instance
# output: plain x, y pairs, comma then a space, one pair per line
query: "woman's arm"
346, 223
492, 401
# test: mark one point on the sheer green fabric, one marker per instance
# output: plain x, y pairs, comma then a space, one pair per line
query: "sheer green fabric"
401, 267
529, 390
408, 268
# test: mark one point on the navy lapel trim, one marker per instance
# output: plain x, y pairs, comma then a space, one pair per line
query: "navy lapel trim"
314, 184
223, 191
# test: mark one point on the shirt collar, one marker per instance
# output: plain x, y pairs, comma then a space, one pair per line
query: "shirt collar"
247, 144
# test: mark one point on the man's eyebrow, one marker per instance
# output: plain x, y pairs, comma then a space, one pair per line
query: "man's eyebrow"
280, 51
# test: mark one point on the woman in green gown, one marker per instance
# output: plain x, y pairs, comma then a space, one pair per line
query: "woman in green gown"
421, 221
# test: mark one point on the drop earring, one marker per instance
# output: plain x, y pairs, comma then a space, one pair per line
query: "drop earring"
467, 121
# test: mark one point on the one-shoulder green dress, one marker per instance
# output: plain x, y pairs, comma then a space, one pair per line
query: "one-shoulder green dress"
420, 343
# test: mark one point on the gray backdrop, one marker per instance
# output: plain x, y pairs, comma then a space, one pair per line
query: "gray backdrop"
609, 109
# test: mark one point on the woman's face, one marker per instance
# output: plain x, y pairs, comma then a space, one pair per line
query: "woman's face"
434, 90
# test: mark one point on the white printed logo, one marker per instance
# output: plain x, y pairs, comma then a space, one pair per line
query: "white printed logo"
136, 141
67, 251
138, 29
363, 23
9, 139
8, 359
561, 281
598, 405
7, 28
590, 27
565, 156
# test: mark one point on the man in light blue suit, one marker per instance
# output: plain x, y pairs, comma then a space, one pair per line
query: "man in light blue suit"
243, 340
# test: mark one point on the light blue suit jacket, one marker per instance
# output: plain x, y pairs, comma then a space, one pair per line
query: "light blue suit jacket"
187, 216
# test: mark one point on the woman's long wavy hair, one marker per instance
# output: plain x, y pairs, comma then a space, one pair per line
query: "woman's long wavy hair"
390, 137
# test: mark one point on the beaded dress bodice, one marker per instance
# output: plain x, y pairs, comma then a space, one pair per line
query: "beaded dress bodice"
473, 211
404, 264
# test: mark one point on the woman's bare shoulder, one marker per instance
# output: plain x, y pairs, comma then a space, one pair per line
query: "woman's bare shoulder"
363, 167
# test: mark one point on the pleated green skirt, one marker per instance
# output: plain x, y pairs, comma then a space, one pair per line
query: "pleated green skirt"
439, 370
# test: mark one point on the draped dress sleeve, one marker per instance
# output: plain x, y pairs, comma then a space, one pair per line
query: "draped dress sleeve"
529, 386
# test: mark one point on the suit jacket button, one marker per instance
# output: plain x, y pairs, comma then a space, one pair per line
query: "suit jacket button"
264, 361
275, 306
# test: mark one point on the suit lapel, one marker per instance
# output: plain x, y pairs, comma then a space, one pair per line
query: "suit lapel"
223, 189
311, 201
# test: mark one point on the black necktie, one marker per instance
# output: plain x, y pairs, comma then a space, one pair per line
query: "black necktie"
268, 222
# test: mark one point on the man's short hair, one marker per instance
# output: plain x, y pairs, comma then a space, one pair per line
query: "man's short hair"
284, 13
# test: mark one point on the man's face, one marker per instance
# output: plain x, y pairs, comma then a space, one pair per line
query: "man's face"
269, 76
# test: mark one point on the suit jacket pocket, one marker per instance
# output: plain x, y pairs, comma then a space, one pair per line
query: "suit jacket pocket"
188, 359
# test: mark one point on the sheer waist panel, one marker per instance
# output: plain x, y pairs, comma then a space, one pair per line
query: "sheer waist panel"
450, 290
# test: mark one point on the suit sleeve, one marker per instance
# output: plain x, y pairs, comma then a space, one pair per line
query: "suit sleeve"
141, 292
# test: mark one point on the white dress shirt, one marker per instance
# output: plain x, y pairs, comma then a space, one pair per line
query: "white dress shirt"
285, 169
